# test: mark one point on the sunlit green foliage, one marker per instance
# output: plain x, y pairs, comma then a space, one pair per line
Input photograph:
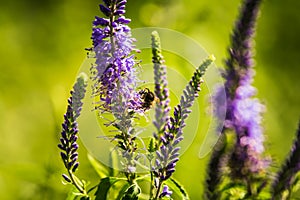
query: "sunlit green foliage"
42, 47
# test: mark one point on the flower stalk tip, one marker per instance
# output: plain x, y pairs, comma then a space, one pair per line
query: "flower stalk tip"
167, 155
68, 141
114, 70
161, 90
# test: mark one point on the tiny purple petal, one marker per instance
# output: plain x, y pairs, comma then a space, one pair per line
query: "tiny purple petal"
66, 178
100, 21
165, 192
105, 10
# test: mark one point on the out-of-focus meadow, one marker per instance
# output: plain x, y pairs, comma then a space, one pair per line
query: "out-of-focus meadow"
42, 48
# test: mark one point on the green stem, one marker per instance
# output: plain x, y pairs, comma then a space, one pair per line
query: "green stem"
151, 184
111, 20
74, 182
91, 189
158, 189
251, 187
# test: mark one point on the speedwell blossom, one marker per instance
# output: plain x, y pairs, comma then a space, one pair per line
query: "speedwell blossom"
168, 153
243, 113
114, 70
68, 141
161, 90
115, 80
169, 130
243, 110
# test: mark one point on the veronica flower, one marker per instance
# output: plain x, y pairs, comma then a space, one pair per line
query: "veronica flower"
168, 152
243, 111
161, 90
114, 71
68, 144
115, 80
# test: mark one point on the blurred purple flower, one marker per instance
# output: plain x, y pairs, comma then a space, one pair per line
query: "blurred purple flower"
243, 112
246, 115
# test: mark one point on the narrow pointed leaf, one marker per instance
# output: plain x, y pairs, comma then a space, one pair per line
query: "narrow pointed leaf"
177, 188
122, 191
104, 186
132, 193
102, 170
113, 163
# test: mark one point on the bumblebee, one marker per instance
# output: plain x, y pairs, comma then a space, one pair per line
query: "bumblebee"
148, 98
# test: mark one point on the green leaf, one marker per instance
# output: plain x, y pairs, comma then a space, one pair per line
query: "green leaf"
74, 194
296, 183
144, 196
71, 194
113, 162
166, 198
122, 191
104, 187
132, 192
102, 170
265, 195
229, 186
152, 145
85, 198
177, 188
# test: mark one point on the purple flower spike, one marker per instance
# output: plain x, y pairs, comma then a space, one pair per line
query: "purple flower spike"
167, 154
244, 111
68, 138
114, 70
68, 145
115, 79
246, 117
161, 89
168, 132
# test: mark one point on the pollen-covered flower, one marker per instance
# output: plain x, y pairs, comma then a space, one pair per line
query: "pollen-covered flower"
115, 80
114, 70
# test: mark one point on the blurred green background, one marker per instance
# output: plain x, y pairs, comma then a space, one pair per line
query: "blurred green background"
42, 48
